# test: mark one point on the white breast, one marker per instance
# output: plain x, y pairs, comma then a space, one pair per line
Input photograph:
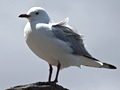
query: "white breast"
45, 45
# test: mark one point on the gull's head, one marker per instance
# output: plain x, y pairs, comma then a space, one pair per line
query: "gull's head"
36, 14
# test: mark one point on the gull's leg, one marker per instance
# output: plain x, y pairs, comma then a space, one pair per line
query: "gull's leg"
50, 72
58, 69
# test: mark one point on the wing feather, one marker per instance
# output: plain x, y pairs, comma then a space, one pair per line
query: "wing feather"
66, 33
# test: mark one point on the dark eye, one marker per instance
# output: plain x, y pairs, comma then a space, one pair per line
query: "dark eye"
37, 13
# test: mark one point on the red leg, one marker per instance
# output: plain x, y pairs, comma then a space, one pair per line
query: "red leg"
58, 69
50, 72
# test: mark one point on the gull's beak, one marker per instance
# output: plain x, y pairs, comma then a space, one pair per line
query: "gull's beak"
24, 16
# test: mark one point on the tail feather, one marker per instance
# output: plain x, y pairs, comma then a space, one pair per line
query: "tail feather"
92, 62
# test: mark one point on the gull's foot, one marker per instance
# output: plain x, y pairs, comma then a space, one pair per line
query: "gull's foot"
55, 81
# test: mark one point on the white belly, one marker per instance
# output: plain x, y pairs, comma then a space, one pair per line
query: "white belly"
49, 48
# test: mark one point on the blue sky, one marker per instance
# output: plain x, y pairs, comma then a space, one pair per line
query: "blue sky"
97, 20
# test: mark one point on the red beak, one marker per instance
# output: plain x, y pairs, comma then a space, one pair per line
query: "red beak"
24, 16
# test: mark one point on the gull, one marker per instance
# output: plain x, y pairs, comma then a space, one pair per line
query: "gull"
57, 43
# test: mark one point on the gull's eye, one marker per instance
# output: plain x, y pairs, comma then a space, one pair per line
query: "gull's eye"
37, 13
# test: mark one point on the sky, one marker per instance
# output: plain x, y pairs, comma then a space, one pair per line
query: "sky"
97, 20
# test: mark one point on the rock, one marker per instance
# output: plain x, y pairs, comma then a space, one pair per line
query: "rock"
38, 86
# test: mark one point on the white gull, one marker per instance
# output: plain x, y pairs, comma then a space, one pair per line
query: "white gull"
57, 43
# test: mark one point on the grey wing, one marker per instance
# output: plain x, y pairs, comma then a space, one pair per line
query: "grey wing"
65, 33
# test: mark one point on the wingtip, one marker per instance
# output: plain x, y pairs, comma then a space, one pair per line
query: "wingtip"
112, 67
109, 66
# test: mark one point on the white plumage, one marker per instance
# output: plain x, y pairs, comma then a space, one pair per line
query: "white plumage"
57, 42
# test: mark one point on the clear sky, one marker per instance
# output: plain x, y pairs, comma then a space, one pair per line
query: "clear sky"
97, 20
